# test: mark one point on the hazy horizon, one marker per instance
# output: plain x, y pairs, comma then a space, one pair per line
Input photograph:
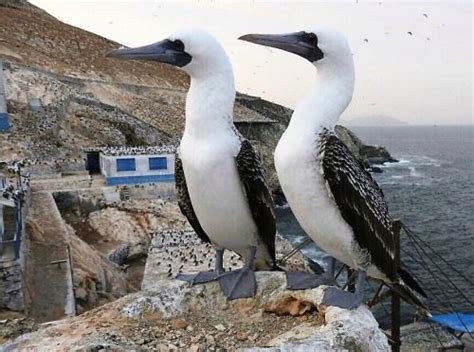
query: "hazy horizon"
423, 78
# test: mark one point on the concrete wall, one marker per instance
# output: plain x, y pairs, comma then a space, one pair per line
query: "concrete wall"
142, 173
108, 165
11, 292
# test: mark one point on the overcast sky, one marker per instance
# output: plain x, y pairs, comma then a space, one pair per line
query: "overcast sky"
423, 78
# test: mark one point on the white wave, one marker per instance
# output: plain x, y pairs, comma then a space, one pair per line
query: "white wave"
413, 172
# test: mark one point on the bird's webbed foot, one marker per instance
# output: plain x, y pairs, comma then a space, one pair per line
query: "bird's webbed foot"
343, 299
239, 283
199, 278
337, 297
303, 281
205, 276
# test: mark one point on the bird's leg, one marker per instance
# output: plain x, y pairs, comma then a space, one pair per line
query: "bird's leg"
206, 276
240, 283
339, 298
303, 281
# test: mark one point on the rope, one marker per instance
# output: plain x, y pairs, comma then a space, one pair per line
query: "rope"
376, 294
441, 270
294, 250
417, 247
410, 232
433, 330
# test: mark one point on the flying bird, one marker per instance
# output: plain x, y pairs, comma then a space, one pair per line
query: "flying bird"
220, 180
410, 33
333, 197
366, 40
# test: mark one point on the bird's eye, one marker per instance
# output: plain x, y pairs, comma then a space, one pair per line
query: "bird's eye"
312, 37
179, 45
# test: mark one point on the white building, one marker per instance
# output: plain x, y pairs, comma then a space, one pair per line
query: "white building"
132, 165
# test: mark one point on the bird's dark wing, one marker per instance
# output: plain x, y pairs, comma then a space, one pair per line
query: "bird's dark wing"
184, 201
253, 177
360, 201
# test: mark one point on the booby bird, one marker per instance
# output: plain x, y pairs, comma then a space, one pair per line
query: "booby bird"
333, 197
220, 180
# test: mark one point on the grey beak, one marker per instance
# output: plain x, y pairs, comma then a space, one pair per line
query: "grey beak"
300, 43
165, 51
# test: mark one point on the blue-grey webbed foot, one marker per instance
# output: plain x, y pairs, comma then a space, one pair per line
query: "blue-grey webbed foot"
199, 278
206, 276
339, 298
303, 281
239, 283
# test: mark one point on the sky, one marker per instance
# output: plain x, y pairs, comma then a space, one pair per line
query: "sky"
421, 78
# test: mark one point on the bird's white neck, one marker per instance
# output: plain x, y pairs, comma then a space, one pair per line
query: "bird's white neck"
210, 102
326, 101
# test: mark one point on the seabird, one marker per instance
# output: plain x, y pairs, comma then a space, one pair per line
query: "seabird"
333, 197
220, 179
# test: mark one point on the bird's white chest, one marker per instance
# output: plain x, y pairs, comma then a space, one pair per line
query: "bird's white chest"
216, 193
301, 177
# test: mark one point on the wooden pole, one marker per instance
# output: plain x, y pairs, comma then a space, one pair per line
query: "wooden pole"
395, 295
71, 272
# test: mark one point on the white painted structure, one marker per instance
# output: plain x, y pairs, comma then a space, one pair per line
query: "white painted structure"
135, 165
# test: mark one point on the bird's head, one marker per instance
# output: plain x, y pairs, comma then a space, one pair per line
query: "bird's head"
195, 51
320, 45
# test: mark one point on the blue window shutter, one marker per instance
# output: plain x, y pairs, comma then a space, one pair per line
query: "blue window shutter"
158, 163
126, 164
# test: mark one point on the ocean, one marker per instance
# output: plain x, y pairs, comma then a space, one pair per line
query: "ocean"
431, 189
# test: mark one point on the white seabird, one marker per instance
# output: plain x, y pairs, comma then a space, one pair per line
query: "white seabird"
333, 197
220, 180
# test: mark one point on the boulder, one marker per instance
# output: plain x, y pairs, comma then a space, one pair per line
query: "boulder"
172, 315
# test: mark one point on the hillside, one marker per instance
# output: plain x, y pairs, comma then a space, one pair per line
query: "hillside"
89, 100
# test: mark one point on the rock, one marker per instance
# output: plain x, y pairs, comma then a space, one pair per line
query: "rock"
375, 169
367, 153
120, 254
289, 305
158, 317
427, 337
180, 323
220, 327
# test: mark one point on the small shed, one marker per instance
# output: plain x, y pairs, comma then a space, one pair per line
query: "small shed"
132, 165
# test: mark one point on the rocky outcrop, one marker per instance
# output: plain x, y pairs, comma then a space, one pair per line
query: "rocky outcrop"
429, 337
170, 315
265, 137
369, 154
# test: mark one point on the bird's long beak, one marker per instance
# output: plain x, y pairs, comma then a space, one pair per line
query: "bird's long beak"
297, 43
164, 51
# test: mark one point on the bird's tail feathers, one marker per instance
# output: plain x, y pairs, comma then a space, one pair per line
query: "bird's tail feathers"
408, 279
407, 294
